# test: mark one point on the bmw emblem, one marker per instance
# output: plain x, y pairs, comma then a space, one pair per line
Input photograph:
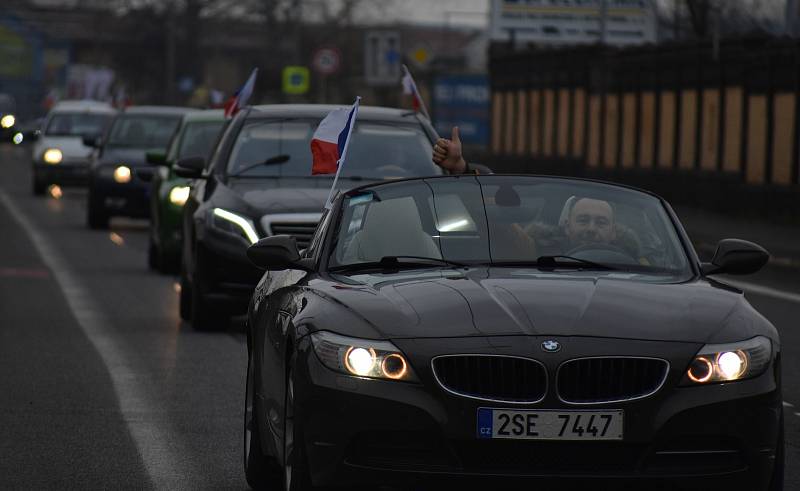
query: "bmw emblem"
551, 346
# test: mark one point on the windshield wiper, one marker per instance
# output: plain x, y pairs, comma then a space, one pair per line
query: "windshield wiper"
394, 263
558, 261
276, 159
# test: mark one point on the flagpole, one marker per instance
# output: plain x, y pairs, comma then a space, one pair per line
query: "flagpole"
419, 96
340, 162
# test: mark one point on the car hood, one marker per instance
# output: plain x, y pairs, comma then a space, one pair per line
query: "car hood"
127, 156
287, 194
71, 147
416, 304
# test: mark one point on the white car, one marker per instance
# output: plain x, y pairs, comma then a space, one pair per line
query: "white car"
61, 154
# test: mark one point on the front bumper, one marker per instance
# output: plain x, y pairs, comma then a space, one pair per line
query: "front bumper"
230, 275
131, 199
67, 173
380, 431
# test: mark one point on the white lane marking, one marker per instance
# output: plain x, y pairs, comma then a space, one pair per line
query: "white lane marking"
164, 458
787, 404
763, 290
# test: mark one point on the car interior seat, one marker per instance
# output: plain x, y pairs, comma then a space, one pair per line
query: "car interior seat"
391, 228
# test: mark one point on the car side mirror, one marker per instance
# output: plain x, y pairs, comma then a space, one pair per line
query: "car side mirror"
190, 167
156, 158
92, 141
736, 256
277, 253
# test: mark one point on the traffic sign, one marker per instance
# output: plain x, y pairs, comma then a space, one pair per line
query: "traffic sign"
382, 57
326, 61
296, 80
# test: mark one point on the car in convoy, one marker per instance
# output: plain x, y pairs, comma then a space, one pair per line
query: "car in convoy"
60, 154
258, 182
119, 177
198, 132
515, 328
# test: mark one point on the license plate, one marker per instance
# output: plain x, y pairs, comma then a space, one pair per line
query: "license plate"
549, 424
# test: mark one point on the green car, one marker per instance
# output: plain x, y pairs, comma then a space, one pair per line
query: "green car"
195, 137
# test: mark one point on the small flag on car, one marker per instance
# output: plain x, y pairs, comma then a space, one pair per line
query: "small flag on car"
239, 99
410, 88
330, 141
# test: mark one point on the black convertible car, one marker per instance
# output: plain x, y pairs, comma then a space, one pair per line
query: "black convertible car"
508, 328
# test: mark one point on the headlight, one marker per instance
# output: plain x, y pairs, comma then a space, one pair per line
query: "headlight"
7, 121
122, 174
729, 362
178, 195
18, 137
52, 156
362, 357
231, 222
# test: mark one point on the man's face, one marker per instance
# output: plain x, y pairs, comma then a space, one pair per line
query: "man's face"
591, 221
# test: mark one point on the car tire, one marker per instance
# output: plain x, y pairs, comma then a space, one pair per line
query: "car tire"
185, 296
295, 463
776, 483
261, 470
153, 256
204, 316
96, 217
38, 187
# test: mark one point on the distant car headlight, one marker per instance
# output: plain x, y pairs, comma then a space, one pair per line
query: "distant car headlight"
233, 223
52, 156
17, 138
362, 357
8, 121
178, 195
122, 174
729, 362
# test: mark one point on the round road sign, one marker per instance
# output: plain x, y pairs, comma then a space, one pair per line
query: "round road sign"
326, 61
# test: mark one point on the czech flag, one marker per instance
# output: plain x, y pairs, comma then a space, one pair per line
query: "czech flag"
410, 88
239, 99
329, 143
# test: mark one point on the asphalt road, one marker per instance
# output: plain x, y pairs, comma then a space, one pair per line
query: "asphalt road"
102, 385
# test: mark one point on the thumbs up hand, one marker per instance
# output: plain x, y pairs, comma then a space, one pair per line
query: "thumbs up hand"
447, 154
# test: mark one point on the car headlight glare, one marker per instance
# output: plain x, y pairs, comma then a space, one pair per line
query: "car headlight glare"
122, 174
17, 138
729, 362
52, 156
362, 357
8, 121
178, 195
233, 223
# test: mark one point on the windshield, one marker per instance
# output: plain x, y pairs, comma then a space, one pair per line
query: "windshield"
143, 131
198, 138
378, 150
510, 220
77, 124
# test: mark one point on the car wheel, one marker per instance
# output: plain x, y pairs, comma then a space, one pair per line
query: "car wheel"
776, 484
262, 471
153, 256
39, 187
295, 464
205, 317
96, 217
185, 296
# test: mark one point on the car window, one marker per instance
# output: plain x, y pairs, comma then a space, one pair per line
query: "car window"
142, 131
198, 138
377, 150
77, 124
504, 219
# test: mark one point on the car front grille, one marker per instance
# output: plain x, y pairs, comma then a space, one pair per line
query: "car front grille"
299, 225
490, 377
609, 379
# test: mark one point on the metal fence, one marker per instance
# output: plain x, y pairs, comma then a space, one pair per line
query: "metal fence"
687, 110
